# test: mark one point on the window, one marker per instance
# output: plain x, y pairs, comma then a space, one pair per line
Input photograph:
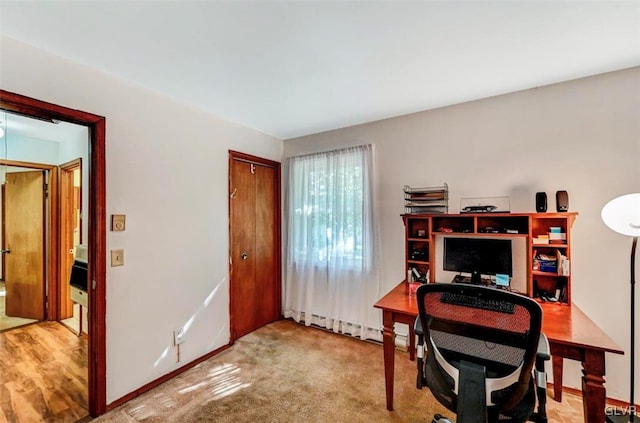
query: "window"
332, 276
327, 207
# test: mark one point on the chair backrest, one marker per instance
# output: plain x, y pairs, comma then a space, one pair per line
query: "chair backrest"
494, 329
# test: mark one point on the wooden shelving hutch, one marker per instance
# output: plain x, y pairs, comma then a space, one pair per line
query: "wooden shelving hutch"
421, 231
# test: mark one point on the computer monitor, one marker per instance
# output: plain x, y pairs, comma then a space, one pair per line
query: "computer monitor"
478, 256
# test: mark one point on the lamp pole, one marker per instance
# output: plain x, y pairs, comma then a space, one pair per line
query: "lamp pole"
622, 215
632, 410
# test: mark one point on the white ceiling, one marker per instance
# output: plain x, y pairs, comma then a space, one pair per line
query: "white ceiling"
294, 68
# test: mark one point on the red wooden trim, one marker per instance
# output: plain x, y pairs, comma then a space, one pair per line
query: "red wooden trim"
72, 164
43, 110
68, 167
164, 378
53, 245
237, 155
97, 226
97, 270
30, 165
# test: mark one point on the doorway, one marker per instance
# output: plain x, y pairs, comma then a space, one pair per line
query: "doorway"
22, 289
71, 313
24, 242
27, 239
96, 228
254, 243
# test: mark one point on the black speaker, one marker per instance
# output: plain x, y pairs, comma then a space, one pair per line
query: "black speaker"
562, 201
541, 202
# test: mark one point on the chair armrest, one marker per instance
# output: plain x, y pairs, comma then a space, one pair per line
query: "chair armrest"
544, 352
417, 327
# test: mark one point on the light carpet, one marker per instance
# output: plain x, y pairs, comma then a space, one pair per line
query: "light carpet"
285, 372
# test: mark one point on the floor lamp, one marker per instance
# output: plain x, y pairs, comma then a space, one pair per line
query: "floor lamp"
622, 215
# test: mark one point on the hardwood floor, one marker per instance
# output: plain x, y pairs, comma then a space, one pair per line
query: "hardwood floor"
43, 374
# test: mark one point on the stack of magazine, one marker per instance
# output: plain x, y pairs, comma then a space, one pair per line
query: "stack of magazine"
426, 200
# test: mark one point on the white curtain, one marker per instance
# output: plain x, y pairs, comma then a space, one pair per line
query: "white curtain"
332, 260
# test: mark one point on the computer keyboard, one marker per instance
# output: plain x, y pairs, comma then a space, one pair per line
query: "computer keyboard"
477, 302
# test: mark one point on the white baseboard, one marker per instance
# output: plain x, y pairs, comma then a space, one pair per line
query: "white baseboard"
402, 336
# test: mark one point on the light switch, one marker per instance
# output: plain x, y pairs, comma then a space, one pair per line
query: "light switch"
117, 222
117, 258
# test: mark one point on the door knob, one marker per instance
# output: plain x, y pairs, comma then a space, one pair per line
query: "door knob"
5, 251
244, 256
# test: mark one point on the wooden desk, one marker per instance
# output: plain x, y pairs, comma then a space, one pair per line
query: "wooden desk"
570, 332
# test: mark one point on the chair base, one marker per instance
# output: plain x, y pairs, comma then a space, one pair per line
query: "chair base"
440, 419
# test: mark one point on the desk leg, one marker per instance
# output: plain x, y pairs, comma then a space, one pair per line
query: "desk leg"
594, 393
388, 346
557, 376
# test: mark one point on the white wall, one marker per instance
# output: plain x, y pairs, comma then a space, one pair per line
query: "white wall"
26, 149
581, 136
167, 170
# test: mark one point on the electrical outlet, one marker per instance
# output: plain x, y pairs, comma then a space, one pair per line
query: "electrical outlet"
178, 336
117, 258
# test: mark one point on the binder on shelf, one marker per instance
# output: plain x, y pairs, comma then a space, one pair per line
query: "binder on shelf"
426, 200
562, 264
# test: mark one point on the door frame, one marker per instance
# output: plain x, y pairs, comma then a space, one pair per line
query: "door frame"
64, 303
96, 358
50, 234
236, 155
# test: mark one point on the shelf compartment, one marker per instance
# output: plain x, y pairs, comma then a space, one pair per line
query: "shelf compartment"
453, 224
542, 226
503, 224
417, 228
551, 285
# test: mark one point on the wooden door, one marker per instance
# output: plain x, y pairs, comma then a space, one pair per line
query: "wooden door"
254, 218
24, 230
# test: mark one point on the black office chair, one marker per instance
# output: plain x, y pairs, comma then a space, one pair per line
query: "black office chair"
481, 346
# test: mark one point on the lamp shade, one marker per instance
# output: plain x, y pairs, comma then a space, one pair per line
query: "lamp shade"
622, 214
